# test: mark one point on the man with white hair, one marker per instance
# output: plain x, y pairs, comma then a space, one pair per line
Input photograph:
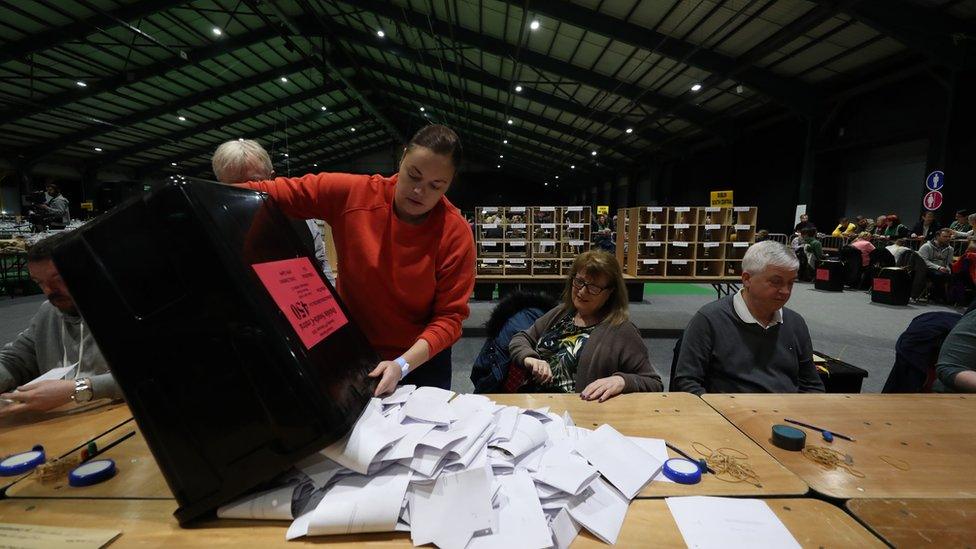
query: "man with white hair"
750, 342
246, 160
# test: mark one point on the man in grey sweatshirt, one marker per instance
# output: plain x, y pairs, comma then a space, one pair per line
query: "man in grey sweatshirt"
749, 342
56, 337
937, 254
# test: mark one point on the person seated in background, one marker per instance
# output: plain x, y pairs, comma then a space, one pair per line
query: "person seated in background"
937, 254
762, 235
927, 227
898, 248
56, 203
895, 229
242, 160
967, 233
864, 224
587, 343
56, 338
844, 228
880, 225
961, 224
750, 342
812, 247
864, 245
803, 224
964, 273
956, 365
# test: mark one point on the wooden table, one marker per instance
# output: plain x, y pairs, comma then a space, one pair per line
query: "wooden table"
934, 436
149, 523
917, 522
679, 418
59, 432
137, 477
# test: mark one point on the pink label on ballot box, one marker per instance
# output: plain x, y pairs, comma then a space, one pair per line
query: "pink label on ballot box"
303, 297
882, 284
823, 274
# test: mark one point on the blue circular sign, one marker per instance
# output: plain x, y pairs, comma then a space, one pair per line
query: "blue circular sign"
935, 180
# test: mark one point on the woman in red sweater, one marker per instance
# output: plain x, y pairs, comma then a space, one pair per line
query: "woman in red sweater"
406, 254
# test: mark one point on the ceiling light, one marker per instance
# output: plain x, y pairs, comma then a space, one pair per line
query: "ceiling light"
695, 87
510, 121
534, 25
324, 108
546, 183
630, 130
738, 88
380, 33
283, 79
505, 141
81, 84
240, 139
98, 149
557, 177
286, 155
572, 167
316, 164
172, 164
498, 166
352, 129
592, 153
216, 31
422, 109
181, 118
501, 156
518, 89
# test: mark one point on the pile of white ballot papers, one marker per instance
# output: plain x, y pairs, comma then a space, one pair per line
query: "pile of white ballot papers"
462, 472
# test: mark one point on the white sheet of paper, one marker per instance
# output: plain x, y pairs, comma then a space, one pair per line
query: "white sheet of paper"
274, 504
529, 434
434, 393
319, 468
428, 410
505, 423
565, 471
427, 460
371, 433
464, 405
657, 448
53, 374
357, 504
452, 509
564, 530
521, 521
406, 447
601, 509
400, 395
622, 462
729, 523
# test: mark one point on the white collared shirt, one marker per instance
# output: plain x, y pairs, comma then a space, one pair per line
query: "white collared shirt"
741, 309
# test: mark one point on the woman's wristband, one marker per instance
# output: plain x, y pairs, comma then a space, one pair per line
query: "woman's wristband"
404, 366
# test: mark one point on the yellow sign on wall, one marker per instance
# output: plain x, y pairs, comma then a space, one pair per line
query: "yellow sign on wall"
721, 198
602, 210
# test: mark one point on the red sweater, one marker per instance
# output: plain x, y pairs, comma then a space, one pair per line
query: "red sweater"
966, 261
401, 282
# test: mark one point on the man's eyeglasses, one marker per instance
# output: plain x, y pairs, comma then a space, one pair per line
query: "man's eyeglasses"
591, 289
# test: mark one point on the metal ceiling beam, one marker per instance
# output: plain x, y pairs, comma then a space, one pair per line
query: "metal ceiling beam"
195, 151
122, 79
943, 39
103, 127
194, 130
490, 80
500, 108
40, 41
697, 116
778, 88
360, 122
444, 109
323, 58
344, 156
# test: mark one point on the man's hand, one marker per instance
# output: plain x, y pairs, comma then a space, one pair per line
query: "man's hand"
39, 397
540, 370
389, 374
603, 389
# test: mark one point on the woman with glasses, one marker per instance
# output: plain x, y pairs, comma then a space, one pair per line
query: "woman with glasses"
587, 343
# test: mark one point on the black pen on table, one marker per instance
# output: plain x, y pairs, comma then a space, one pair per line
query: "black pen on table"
689, 458
815, 428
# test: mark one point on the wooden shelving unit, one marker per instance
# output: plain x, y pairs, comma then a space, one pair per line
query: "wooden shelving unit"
530, 241
705, 243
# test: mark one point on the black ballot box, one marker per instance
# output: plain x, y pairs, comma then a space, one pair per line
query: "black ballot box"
892, 286
233, 351
830, 276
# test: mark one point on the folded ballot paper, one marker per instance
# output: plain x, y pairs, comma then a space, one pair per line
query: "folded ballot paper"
460, 471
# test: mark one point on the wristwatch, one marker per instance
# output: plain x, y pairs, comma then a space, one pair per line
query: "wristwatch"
83, 391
